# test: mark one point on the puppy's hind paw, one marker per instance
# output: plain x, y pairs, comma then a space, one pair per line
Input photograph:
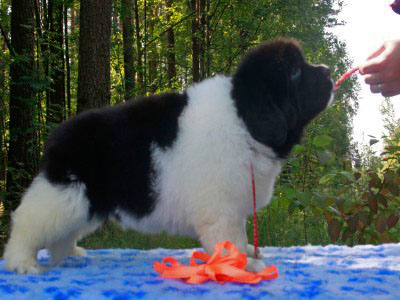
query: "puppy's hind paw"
28, 266
78, 251
254, 265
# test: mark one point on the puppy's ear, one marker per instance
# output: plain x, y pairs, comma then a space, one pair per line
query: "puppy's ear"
266, 122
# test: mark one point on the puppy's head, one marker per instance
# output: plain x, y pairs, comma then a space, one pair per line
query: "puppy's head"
277, 93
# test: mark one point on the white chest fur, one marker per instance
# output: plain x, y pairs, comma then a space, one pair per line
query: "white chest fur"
206, 173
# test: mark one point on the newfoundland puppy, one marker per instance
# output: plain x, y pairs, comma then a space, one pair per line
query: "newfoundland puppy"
178, 163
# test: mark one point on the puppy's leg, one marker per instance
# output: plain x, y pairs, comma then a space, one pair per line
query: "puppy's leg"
250, 252
228, 228
222, 229
84, 231
21, 250
77, 251
63, 248
68, 245
47, 213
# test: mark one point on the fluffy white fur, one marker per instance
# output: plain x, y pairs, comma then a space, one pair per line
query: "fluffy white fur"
49, 216
212, 144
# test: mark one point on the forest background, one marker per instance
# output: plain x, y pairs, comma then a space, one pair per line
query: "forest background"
61, 57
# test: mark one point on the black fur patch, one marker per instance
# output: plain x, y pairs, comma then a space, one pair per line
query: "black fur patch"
277, 93
110, 151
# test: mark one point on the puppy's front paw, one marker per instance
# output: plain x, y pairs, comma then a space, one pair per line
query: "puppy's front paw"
254, 265
250, 252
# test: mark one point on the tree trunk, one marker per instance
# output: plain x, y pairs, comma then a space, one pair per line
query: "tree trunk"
40, 58
67, 62
171, 59
94, 54
56, 104
74, 21
153, 55
116, 28
208, 41
202, 44
3, 153
38, 22
145, 49
47, 12
73, 18
195, 42
139, 52
21, 158
128, 39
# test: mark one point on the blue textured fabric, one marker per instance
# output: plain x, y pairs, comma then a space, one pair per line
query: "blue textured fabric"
311, 272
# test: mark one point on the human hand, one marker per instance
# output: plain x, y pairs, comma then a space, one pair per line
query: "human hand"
382, 69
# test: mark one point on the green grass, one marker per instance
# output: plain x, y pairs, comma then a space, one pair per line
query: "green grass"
277, 229
112, 236
275, 226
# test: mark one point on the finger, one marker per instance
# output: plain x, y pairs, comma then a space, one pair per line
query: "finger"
389, 89
374, 62
381, 88
374, 78
375, 88
372, 66
391, 93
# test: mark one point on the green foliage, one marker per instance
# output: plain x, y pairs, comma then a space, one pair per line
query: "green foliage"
319, 195
370, 211
353, 205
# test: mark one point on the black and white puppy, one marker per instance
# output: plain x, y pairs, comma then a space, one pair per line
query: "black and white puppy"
178, 163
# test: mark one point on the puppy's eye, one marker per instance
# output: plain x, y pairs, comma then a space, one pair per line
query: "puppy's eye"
295, 74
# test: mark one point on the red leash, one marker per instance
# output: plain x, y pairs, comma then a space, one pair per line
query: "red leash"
253, 184
344, 77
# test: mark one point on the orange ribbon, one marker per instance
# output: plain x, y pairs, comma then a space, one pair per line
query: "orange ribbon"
221, 269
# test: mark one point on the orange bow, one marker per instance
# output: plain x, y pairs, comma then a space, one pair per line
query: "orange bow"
221, 269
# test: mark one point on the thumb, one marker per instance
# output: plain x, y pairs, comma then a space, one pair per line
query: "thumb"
377, 52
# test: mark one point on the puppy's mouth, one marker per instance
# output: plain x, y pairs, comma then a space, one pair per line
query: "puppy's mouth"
332, 94
332, 91
328, 90
328, 82
335, 87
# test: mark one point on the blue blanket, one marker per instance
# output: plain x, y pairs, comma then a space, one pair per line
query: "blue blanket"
310, 272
